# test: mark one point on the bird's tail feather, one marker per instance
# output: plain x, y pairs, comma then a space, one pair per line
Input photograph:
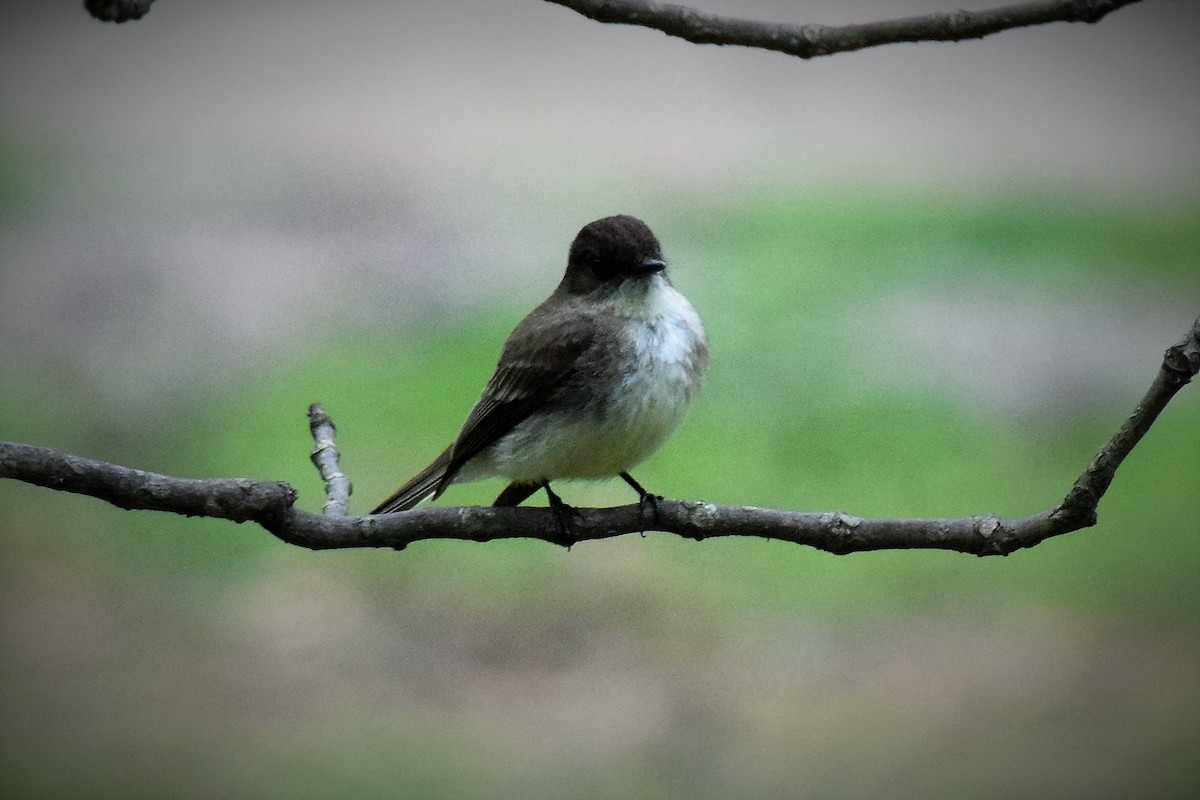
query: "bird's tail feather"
429, 481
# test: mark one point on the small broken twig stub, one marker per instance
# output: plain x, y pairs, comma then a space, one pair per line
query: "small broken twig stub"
328, 462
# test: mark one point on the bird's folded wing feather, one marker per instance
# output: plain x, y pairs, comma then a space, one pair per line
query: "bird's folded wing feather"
521, 386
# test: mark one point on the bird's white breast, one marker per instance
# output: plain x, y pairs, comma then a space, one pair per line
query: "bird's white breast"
667, 371
658, 379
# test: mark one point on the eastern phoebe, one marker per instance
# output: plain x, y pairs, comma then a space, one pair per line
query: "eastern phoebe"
591, 383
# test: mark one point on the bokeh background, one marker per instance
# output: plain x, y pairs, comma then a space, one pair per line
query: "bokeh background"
936, 278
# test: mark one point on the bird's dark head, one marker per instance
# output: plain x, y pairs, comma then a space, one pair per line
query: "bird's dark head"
610, 251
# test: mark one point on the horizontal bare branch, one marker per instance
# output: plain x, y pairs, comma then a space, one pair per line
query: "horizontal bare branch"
237, 499
811, 40
271, 504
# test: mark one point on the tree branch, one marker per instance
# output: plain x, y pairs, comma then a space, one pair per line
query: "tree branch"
117, 10
237, 499
271, 504
809, 41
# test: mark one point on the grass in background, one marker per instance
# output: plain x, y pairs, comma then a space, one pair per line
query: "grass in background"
783, 423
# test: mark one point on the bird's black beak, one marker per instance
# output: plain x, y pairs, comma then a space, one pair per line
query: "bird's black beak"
654, 265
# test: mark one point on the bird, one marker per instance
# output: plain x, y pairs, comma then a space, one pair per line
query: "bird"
588, 385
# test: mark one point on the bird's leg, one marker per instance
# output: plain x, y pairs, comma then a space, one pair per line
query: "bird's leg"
516, 493
645, 499
562, 515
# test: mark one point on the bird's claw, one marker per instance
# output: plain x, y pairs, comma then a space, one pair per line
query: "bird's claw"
649, 501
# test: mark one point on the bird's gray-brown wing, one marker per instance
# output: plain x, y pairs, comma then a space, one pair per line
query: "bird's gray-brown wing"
540, 359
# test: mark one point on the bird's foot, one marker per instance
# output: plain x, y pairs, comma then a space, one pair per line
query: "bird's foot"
649, 501
646, 500
564, 515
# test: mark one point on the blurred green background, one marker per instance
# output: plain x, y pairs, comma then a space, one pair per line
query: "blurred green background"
933, 346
